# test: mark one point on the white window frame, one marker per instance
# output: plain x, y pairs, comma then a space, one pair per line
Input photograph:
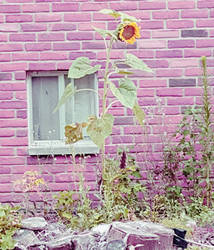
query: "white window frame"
57, 147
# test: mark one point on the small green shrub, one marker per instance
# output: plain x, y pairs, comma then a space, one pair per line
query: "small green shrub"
9, 223
118, 198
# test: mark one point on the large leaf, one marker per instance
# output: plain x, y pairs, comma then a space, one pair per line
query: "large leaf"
110, 12
100, 128
126, 18
82, 67
126, 93
68, 92
105, 33
139, 114
136, 63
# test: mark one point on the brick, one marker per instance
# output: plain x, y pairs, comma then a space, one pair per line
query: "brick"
37, 46
169, 72
5, 57
183, 63
142, 15
152, 5
51, 37
12, 161
152, 83
63, 27
21, 133
205, 4
180, 101
27, 56
193, 92
13, 86
152, 44
63, 65
66, 46
6, 133
179, 24
123, 120
169, 92
11, 47
22, 37
74, 55
93, 45
13, 123
169, 53
6, 113
15, 142
13, 105
14, 66
80, 36
204, 43
9, 8
194, 13
205, 23
18, 18
181, 43
62, 7
197, 53
93, 6
5, 76
6, 96
6, 151
127, 5
165, 14
3, 37
181, 5
157, 63
21, 95
38, 7
44, 17
9, 27
145, 93
194, 33
152, 25
119, 45
22, 114
6, 188
165, 33
42, 66
77, 17
27, 27
182, 82
54, 56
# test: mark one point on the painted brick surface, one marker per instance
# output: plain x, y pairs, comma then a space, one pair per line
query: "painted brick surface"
48, 35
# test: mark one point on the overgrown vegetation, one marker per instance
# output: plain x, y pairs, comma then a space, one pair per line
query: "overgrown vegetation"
9, 223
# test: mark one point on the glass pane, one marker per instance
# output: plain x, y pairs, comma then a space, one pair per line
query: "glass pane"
44, 100
83, 104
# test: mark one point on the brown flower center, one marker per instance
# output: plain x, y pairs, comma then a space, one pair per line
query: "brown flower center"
128, 32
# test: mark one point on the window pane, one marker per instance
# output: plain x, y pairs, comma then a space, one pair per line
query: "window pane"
44, 99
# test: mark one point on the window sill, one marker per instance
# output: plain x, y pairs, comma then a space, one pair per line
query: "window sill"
60, 148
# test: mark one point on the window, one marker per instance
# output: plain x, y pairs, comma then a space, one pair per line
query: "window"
46, 129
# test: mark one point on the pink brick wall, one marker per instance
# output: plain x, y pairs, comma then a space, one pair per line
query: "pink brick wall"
49, 34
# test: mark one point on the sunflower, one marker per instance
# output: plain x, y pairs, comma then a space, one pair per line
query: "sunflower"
129, 32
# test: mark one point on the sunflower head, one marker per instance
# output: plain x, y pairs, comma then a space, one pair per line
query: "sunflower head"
129, 32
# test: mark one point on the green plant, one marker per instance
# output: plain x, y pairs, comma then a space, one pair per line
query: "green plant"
189, 162
118, 199
99, 128
9, 223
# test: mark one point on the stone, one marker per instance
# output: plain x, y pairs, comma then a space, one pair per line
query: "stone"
34, 223
116, 245
62, 243
25, 238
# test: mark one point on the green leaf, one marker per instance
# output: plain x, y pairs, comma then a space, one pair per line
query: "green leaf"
110, 12
68, 92
82, 67
136, 63
139, 114
100, 128
124, 18
126, 93
136, 174
105, 33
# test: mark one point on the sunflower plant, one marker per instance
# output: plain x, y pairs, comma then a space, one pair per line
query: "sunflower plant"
99, 128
